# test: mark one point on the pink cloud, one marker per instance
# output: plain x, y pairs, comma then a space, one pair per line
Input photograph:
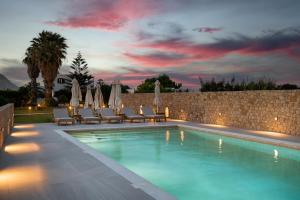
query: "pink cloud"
107, 15
189, 49
158, 59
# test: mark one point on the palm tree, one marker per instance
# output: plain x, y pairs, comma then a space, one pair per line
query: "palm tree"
33, 72
48, 51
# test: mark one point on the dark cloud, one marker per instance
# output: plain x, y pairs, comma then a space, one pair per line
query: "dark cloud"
9, 61
284, 41
14, 70
142, 35
167, 27
208, 29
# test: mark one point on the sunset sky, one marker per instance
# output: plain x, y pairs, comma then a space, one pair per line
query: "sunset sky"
136, 39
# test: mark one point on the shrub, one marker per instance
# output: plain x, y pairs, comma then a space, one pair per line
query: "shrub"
51, 102
62, 99
260, 84
3, 101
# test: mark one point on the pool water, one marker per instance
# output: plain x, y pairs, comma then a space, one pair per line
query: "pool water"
190, 164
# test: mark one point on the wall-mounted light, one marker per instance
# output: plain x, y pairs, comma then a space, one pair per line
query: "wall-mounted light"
167, 112
141, 111
103, 106
122, 106
70, 107
29, 108
276, 118
220, 114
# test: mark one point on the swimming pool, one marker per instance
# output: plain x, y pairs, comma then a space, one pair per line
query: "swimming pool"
191, 164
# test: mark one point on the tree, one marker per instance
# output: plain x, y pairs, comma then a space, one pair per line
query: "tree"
48, 50
79, 70
166, 84
33, 72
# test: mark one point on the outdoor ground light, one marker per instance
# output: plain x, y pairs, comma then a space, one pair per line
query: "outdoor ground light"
29, 108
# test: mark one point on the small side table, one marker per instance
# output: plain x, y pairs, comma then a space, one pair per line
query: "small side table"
122, 115
162, 113
77, 118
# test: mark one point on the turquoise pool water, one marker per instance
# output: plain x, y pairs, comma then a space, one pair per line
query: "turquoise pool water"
191, 164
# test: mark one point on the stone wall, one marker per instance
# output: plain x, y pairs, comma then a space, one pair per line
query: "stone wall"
277, 111
6, 122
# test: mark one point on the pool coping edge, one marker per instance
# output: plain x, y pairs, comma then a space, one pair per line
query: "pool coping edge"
251, 138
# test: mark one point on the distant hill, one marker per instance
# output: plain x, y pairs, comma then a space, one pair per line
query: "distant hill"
5, 84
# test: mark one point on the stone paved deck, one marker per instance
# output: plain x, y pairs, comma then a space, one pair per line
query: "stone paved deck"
40, 164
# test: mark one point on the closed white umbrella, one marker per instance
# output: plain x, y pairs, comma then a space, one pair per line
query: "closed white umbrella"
76, 95
157, 100
88, 97
112, 97
118, 100
98, 102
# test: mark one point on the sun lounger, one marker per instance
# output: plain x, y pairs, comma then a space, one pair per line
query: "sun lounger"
61, 116
108, 114
88, 116
149, 114
129, 114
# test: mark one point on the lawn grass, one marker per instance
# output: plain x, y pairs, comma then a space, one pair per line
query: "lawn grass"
41, 115
25, 110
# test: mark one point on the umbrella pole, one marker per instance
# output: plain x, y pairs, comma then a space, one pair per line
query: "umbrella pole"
75, 111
